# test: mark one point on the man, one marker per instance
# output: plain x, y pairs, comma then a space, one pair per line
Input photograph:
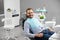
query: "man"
39, 31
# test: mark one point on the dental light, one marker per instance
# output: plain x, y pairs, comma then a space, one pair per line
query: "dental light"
41, 12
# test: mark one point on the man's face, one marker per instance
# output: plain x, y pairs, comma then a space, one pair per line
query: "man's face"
30, 13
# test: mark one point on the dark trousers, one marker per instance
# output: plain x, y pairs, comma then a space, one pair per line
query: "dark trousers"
46, 34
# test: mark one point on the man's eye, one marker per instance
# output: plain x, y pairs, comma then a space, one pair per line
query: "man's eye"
31, 12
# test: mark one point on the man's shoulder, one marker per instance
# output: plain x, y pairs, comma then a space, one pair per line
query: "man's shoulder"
26, 21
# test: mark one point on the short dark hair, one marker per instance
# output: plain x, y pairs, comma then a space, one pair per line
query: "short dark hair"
28, 9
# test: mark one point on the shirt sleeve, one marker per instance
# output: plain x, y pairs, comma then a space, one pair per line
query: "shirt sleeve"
27, 31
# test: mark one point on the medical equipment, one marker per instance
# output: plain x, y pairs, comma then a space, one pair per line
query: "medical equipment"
12, 11
55, 28
41, 15
50, 23
56, 35
12, 16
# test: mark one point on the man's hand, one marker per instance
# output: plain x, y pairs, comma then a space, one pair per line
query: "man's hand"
39, 35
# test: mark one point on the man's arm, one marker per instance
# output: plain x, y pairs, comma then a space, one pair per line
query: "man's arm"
27, 30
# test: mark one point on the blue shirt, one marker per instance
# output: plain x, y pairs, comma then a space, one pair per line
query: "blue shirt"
34, 25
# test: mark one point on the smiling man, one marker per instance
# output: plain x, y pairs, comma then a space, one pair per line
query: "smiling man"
33, 24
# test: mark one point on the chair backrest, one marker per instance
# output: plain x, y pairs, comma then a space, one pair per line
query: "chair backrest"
23, 26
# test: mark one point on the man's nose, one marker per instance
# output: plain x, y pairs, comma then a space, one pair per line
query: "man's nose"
30, 14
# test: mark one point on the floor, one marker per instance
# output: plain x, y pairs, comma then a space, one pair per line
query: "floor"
13, 34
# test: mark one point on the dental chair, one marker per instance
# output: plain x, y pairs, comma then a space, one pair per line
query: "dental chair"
56, 29
50, 24
56, 35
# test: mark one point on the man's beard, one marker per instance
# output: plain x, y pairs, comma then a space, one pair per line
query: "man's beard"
29, 16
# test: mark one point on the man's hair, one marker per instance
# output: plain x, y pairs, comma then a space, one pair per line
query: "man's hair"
28, 9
